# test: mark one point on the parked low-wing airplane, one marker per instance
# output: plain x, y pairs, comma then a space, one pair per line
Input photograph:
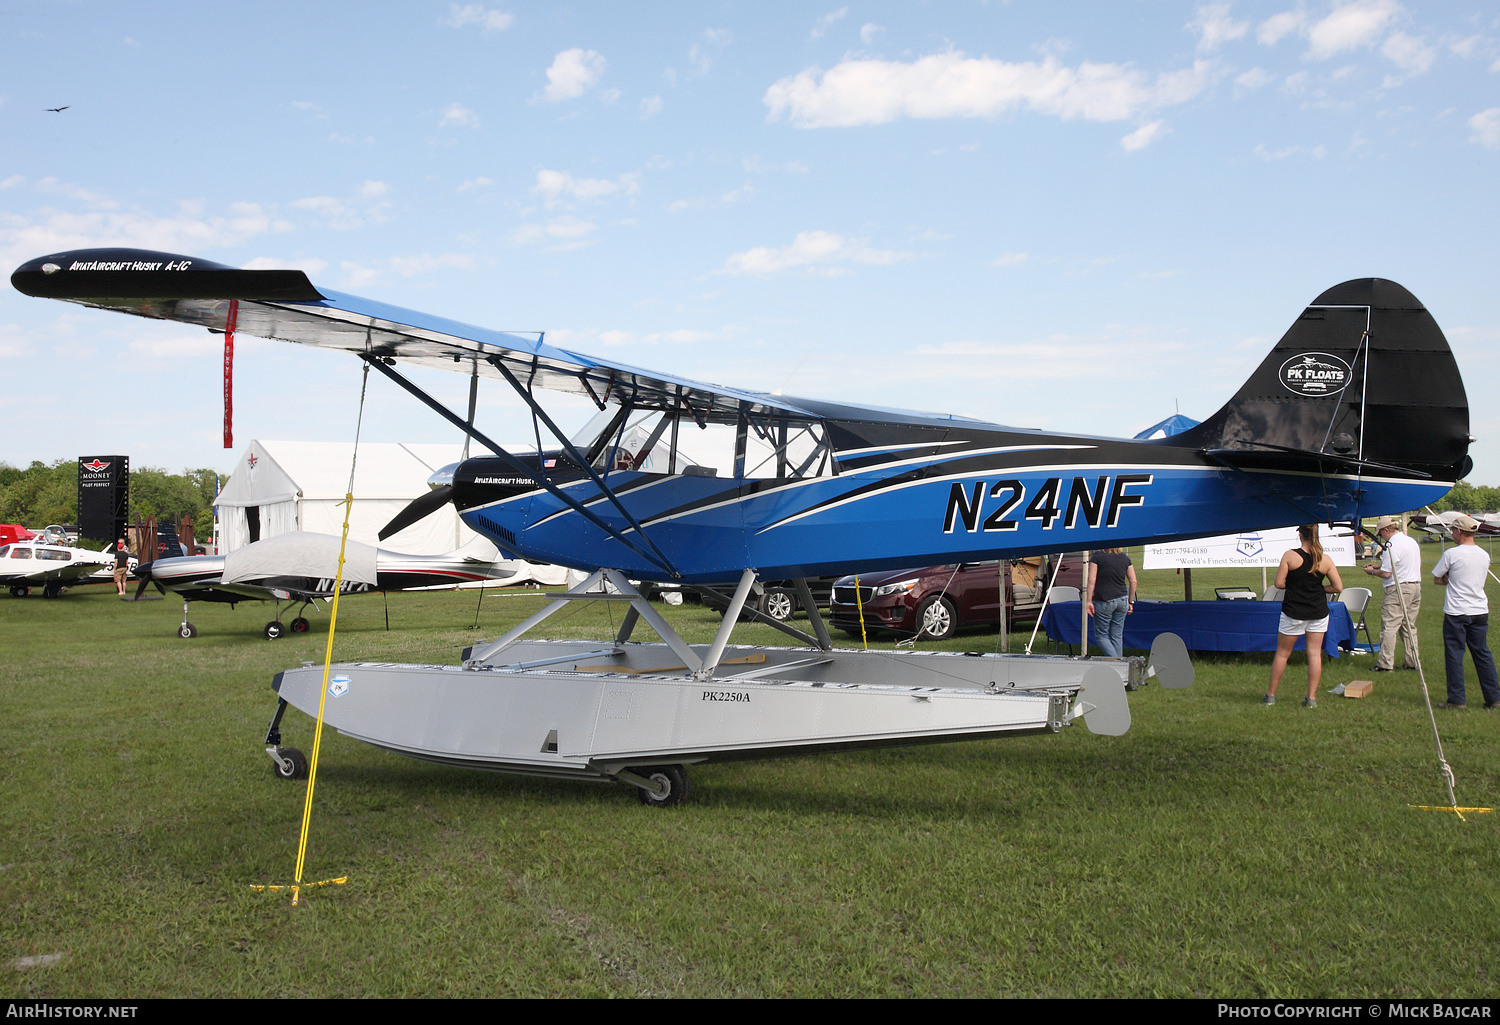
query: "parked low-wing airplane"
299, 567
27, 564
1359, 410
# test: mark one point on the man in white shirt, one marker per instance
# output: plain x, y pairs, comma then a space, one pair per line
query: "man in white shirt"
1400, 567
1466, 614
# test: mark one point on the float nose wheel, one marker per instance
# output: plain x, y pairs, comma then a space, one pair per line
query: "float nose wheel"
287, 762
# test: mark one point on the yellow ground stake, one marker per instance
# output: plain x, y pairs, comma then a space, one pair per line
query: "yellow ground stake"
333, 619
1457, 811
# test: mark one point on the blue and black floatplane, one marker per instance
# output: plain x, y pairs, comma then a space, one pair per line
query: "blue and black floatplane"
1358, 411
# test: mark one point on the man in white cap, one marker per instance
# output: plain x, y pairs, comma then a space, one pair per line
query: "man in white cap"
1466, 613
1400, 567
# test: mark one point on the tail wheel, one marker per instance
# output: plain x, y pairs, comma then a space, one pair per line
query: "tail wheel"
300, 625
289, 763
274, 630
187, 631
937, 619
674, 777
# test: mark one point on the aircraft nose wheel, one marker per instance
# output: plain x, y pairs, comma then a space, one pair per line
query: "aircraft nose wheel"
674, 777
288, 762
19, 591
300, 625
274, 630
187, 631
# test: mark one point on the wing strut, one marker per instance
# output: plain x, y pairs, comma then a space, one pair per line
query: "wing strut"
577, 457
541, 481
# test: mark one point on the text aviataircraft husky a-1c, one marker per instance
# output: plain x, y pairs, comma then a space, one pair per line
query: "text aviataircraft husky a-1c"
1359, 410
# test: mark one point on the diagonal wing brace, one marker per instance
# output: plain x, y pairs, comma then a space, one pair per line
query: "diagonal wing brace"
537, 411
378, 362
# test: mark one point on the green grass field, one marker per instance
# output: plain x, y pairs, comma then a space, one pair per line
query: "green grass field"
1221, 848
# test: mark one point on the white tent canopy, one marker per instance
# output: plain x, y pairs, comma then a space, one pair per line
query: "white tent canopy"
300, 485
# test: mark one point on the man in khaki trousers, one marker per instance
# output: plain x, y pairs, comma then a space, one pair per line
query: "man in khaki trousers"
1400, 568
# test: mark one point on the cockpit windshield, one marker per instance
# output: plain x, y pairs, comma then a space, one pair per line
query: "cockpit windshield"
760, 445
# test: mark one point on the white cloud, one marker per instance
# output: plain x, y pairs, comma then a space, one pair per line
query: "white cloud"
739, 195
1278, 26
870, 32
650, 106
947, 85
1008, 260
1268, 155
475, 184
77, 218
1409, 53
573, 73
277, 263
1486, 125
368, 205
487, 18
826, 22
459, 116
755, 165
819, 252
1144, 136
556, 187
1350, 26
1254, 79
609, 97
422, 263
567, 232
1214, 27
701, 54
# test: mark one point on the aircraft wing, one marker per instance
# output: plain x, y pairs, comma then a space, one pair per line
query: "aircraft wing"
284, 305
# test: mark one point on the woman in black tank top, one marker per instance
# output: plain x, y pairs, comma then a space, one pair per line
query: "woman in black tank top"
1304, 609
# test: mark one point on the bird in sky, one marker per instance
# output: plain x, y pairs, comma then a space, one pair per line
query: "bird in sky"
57, 110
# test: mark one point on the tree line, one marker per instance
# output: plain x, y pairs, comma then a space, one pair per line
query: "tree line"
48, 493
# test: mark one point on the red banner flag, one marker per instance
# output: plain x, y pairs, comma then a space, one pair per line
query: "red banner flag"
234, 313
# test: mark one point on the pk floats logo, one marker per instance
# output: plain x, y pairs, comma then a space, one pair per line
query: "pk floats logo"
1315, 374
1249, 546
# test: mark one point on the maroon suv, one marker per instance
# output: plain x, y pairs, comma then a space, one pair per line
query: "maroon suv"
940, 599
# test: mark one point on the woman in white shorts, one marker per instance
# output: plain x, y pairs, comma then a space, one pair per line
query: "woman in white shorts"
1304, 609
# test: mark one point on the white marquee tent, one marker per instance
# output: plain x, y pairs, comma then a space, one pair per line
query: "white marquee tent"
279, 486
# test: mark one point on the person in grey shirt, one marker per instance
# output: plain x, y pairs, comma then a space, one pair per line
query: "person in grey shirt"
1466, 614
1400, 569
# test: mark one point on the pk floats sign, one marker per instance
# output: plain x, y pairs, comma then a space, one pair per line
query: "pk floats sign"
1249, 550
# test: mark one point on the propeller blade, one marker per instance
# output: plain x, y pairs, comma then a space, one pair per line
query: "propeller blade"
144, 573
419, 508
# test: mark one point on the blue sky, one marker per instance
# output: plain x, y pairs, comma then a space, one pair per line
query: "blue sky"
1072, 216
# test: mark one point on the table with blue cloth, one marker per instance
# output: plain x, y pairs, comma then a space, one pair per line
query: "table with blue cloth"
1202, 625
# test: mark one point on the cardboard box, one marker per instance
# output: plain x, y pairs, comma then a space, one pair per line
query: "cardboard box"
1358, 688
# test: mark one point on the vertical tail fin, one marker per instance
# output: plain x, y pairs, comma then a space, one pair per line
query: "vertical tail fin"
1362, 381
